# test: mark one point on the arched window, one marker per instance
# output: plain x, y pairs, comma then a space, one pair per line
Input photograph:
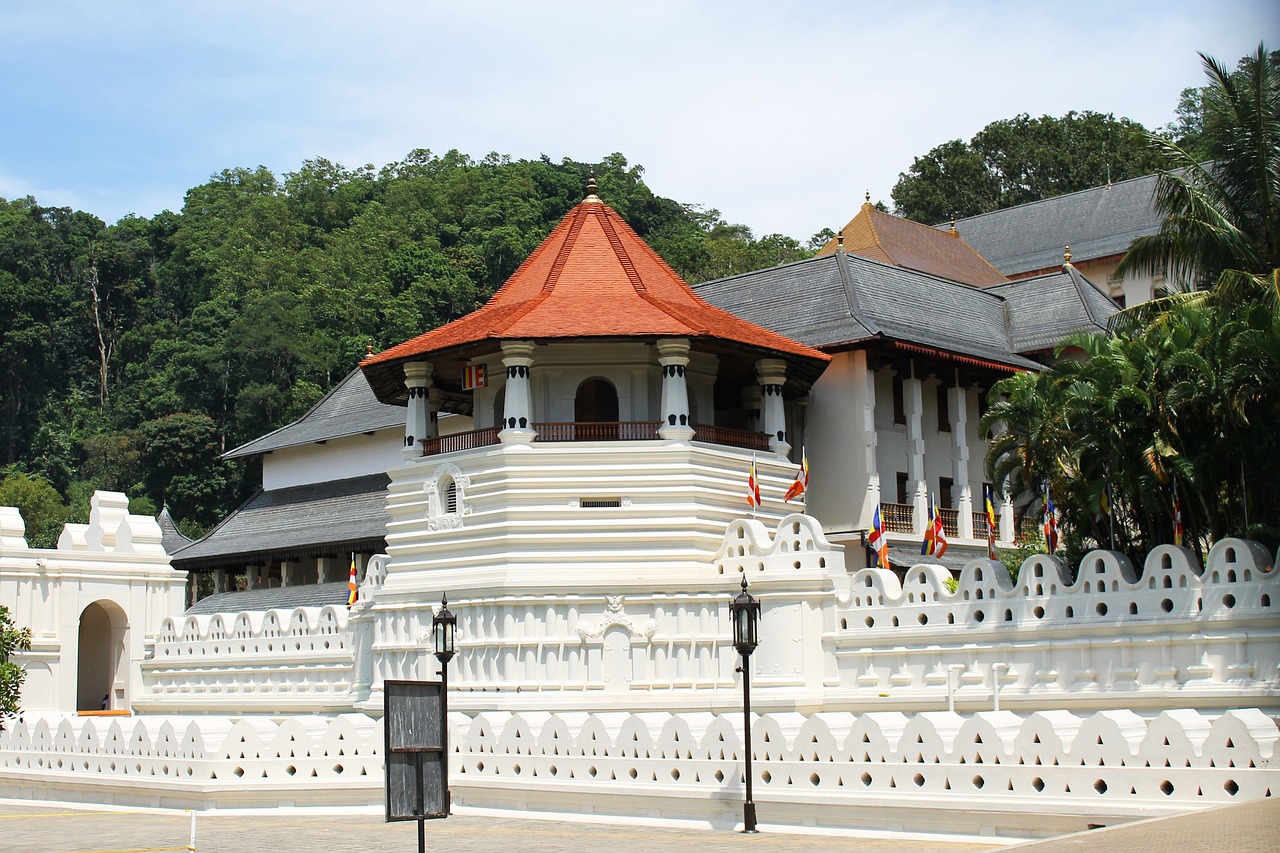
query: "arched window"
448, 496
596, 403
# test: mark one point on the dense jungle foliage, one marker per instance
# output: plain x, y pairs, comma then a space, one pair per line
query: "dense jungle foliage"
132, 355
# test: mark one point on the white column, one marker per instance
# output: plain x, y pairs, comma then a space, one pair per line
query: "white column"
252, 578
870, 439
958, 401
219, 581
417, 424
286, 573
916, 485
1007, 532
673, 356
772, 372
517, 357
323, 565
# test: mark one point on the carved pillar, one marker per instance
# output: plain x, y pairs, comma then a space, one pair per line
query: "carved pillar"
958, 401
772, 372
673, 356
916, 485
517, 357
417, 424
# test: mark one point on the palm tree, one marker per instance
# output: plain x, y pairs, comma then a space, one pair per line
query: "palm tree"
1221, 219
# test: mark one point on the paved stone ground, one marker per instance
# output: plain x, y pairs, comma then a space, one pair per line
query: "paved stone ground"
27, 828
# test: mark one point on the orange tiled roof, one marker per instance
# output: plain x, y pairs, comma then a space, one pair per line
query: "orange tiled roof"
594, 277
892, 240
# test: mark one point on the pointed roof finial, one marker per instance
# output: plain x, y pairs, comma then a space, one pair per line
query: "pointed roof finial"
867, 197
954, 232
368, 349
840, 239
1066, 256
591, 187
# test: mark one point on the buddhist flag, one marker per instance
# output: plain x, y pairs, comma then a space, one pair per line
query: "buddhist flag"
351, 583
1177, 516
877, 541
1050, 524
939, 533
801, 485
926, 547
991, 524
753, 486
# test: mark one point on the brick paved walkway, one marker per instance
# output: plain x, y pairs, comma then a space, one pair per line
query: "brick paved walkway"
28, 828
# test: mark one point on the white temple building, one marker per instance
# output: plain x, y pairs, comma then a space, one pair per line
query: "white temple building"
570, 468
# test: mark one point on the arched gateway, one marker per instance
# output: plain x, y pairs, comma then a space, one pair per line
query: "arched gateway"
103, 663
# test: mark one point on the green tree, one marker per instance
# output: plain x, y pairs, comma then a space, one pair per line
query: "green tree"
12, 639
1022, 159
1221, 219
40, 504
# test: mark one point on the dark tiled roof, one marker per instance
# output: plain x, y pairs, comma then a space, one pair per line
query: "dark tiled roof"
349, 409
1097, 223
839, 299
893, 240
171, 537
283, 598
333, 516
1047, 308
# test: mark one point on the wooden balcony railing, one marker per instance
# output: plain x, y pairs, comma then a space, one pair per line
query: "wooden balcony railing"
896, 517
950, 521
621, 431
731, 437
460, 441
980, 525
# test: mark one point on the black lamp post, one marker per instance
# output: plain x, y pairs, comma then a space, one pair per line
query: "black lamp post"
745, 612
444, 626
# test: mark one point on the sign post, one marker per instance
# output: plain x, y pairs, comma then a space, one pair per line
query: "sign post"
414, 754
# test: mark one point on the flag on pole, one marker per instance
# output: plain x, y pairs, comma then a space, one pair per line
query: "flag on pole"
927, 546
753, 486
939, 531
351, 583
991, 524
801, 485
1177, 517
877, 541
1050, 524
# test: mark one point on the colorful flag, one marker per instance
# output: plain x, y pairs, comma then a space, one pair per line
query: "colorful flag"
753, 486
939, 532
1050, 524
877, 541
351, 583
991, 524
927, 546
1177, 517
801, 485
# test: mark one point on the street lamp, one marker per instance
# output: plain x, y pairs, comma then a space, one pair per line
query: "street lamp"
745, 612
444, 627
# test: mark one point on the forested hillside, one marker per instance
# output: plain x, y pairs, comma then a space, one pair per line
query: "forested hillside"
132, 355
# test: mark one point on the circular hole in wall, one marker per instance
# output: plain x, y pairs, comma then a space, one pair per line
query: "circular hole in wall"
1037, 783
1100, 786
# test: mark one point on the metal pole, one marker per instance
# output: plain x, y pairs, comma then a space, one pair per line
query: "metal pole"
748, 806
422, 824
444, 733
191, 842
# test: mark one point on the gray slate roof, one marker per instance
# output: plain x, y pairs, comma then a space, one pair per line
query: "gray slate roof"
171, 537
840, 299
1097, 223
286, 598
334, 516
1046, 309
349, 409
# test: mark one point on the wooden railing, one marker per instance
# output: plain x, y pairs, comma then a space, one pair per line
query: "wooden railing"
896, 517
980, 525
620, 431
950, 521
731, 437
460, 441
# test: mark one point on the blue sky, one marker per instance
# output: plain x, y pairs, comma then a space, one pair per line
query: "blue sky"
778, 114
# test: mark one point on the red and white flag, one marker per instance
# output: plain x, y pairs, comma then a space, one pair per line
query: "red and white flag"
801, 485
